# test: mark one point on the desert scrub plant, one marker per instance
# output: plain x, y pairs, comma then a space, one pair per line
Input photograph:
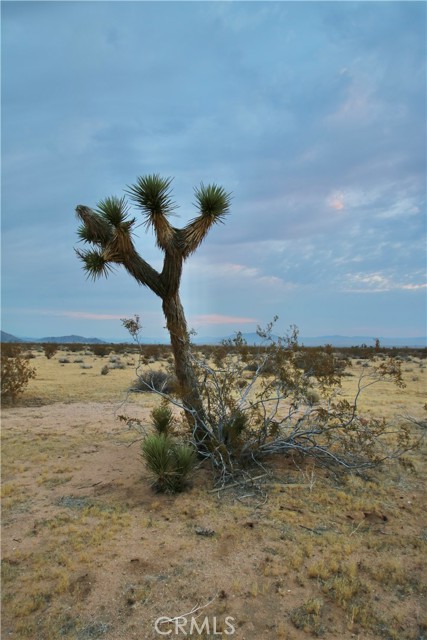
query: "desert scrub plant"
100, 350
309, 617
15, 372
50, 348
169, 462
155, 381
285, 399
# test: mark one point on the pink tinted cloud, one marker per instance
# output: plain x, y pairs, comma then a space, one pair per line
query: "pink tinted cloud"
86, 315
216, 318
336, 201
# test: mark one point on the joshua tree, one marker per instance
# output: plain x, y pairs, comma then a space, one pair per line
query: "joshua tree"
108, 228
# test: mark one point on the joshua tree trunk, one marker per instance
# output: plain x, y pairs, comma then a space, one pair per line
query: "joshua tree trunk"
189, 389
109, 230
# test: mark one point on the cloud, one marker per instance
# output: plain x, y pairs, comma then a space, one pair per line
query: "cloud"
379, 283
86, 315
413, 287
336, 201
238, 275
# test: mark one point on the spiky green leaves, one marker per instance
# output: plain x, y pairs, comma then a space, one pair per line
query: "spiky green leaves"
100, 226
95, 228
162, 419
169, 462
94, 263
114, 210
213, 201
109, 229
153, 195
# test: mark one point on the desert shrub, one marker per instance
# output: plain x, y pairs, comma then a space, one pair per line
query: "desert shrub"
153, 351
267, 369
50, 348
63, 361
116, 363
105, 369
120, 348
152, 381
15, 372
169, 462
100, 350
29, 355
308, 617
252, 367
312, 396
219, 354
73, 347
297, 408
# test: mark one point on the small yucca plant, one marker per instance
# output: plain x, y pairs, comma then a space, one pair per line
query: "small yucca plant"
162, 419
234, 426
185, 459
169, 463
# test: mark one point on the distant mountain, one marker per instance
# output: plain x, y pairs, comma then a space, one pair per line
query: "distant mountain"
353, 341
8, 337
251, 339
335, 341
71, 340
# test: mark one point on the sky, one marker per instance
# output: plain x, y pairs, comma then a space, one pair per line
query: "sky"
313, 114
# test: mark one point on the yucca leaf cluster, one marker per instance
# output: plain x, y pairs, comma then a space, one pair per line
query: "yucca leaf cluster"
162, 419
169, 462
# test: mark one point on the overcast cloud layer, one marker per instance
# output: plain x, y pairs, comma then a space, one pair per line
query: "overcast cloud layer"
313, 114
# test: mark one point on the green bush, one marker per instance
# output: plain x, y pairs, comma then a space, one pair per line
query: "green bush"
15, 372
170, 463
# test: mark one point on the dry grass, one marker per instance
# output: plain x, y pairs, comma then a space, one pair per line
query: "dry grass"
89, 551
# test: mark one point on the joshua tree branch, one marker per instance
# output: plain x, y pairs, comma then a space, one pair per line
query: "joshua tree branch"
114, 245
94, 228
214, 204
152, 194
